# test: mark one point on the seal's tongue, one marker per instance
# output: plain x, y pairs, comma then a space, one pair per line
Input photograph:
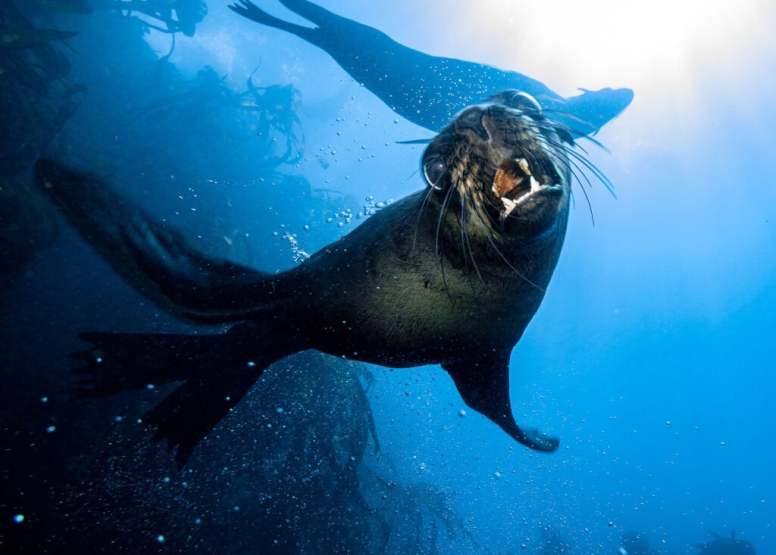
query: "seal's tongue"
513, 182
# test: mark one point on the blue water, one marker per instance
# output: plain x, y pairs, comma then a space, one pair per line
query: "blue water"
651, 356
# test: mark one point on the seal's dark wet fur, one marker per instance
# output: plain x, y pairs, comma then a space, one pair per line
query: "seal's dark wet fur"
450, 275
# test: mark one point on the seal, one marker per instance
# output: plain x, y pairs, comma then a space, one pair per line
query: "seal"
449, 275
429, 90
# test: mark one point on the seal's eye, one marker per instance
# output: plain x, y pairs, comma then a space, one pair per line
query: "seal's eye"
527, 104
434, 171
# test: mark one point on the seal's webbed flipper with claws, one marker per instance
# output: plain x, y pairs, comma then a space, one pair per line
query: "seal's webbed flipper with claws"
484, 386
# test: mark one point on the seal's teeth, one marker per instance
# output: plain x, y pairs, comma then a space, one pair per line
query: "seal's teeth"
522, 163
509, 205
535, 185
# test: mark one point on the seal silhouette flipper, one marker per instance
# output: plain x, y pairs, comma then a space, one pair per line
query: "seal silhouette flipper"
484, 386
429, 90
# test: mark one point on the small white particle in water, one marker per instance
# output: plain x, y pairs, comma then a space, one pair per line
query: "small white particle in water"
166, 479
228, 398
329, 220
139, 420
251, 364
497, 475
98, 360
51, 429
722, 443
462, 413
18, 518
668, 422
269, 425
150, 386
279, 410
198, 521
306, 227
44, 399
119, 418
236, 508
160, 538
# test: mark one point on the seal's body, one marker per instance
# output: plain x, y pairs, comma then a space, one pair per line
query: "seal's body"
450, 275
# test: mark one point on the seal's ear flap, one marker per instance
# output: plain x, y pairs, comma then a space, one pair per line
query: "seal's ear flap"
484, 386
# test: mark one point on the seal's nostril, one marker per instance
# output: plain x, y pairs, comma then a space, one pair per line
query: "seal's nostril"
471, 118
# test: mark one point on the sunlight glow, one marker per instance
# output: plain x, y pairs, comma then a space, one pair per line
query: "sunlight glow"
597, 43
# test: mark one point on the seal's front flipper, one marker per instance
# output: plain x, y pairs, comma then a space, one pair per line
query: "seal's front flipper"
484, 385
160, 262
217, 371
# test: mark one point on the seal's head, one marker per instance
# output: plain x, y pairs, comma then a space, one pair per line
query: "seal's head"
502, 168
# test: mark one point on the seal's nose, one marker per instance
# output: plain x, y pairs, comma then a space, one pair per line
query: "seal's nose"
471, 118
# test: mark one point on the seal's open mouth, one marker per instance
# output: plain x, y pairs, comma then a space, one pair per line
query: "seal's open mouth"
514, 183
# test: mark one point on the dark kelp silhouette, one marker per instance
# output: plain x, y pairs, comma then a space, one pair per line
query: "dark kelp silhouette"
553, 543
177, 16
430, 90
301, 461
725, 546
636, 543
266, 116
36, 99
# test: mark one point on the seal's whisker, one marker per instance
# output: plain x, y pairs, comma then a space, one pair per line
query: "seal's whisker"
589, 165
488, 234
574, 130
423, 206
464, 242
465, 238
589, 206
439, 248
576, 175
574, 155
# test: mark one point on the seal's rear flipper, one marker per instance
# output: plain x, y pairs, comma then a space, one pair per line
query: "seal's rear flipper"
120, 362
188, 414
217, 370
160, 262
484, 386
